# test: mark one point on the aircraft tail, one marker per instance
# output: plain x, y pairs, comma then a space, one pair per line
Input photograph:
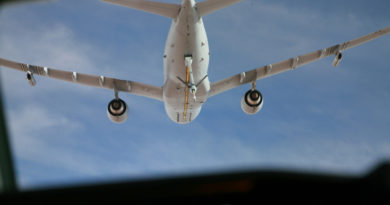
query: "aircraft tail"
207, 7
159, 8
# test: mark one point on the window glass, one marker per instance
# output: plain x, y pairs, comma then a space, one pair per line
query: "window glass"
316, 118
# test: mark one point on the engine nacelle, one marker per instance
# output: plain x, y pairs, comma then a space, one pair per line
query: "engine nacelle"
30, 78
117, 110
252, 102
337, 59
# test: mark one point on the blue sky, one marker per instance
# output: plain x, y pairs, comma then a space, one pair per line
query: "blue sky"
316, 118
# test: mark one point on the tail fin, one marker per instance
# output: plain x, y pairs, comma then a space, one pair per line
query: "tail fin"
210, 6
159, 8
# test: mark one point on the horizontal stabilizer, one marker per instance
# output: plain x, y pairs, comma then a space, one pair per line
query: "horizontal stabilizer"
159, 8
210, 6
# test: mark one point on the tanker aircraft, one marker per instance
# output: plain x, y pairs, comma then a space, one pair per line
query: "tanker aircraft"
186, 84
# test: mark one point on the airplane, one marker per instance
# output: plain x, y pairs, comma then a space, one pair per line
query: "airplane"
186, 84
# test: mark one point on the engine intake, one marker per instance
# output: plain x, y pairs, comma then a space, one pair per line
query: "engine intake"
252, 102
117, 111
31, 79
337, 59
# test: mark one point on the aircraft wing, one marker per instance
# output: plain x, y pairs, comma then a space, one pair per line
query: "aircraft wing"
291, 64
136, 88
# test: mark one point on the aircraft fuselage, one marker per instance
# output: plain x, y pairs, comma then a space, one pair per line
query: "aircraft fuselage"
186, 40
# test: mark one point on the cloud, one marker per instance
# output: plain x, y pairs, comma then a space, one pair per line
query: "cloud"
313, 119
26, 124
293, 30
52, 46
47, 45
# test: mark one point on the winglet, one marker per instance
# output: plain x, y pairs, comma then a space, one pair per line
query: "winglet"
207, 7
159, 8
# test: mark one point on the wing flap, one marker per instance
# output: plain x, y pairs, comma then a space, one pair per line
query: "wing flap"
89, 80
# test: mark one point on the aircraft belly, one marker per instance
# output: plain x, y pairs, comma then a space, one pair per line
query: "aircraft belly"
180, 106
186, 38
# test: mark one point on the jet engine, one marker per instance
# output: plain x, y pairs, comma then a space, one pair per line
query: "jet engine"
117, 110
31, 79
337, 59
252, 102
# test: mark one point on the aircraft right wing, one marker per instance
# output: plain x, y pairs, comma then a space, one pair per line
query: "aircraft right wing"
136, 88
291, 64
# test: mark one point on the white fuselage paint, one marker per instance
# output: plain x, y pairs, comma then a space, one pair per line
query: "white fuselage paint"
187, 36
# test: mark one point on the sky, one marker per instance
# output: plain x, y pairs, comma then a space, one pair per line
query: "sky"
315, 119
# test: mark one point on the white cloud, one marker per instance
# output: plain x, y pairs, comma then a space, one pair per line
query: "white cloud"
26, 124
48, 45
63, 128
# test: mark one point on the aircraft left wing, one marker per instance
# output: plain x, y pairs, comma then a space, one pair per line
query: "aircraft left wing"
291, 64
136, 88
